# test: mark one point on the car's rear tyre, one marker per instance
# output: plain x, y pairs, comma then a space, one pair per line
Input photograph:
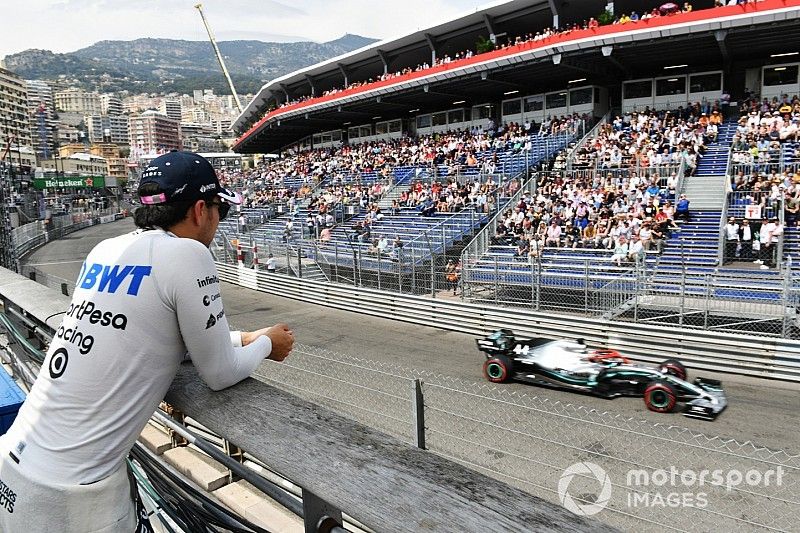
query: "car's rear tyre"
498, 369
660, 397
674, 368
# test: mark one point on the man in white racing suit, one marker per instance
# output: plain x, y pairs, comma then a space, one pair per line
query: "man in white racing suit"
142, 301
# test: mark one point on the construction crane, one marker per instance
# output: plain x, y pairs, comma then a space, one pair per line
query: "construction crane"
199, 7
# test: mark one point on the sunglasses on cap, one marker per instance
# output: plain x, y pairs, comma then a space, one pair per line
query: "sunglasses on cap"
224, 208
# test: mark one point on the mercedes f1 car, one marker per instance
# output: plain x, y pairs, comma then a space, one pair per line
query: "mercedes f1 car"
572, 365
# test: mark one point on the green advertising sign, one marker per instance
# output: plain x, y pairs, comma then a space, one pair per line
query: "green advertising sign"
69, 182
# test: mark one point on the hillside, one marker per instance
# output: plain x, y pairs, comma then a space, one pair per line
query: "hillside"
153, 65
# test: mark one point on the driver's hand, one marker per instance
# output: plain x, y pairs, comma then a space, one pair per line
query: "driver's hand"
282, 341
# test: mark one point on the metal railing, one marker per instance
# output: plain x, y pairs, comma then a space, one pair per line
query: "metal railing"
718, 349
586, 137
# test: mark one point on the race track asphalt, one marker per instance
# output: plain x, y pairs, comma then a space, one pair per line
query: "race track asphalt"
764, 412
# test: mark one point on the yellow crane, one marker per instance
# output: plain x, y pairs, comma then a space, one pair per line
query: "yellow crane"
199, 7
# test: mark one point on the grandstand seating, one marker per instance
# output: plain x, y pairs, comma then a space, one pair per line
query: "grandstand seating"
420, 235
557, 267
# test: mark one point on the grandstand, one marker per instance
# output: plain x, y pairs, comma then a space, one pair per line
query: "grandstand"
603, 131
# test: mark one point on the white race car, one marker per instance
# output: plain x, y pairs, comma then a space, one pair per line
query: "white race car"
572, 365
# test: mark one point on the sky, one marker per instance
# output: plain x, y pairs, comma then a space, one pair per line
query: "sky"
68, 25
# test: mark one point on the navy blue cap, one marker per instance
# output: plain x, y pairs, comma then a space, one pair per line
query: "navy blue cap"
183, 177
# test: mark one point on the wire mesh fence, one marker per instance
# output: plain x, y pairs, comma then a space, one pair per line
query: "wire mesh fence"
635, 475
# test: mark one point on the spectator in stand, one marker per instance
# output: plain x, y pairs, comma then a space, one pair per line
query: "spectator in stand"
572, 235
746, 241
682, 208
288, 231
769, 233
620, 251
646, 234
589, 236
272, 264
452, 275
792, 206
325, 234
553, 235
636, 250
523, 248
732, 243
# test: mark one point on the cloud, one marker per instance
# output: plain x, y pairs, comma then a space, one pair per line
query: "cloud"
67, 25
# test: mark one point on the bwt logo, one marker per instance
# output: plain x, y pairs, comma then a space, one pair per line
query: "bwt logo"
109, 278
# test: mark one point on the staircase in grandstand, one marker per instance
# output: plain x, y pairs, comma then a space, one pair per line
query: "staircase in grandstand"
715, 160
791, 249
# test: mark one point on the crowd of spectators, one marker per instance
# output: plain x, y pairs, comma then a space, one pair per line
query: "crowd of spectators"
348, 170
453, 197
652, 140
627, 216
765, 175
763, 132
750, 239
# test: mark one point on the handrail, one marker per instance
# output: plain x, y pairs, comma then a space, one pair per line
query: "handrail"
586, 137
724, 217
383, 483
480, 243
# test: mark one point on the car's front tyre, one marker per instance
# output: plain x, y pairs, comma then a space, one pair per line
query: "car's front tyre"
660, 397
498, 369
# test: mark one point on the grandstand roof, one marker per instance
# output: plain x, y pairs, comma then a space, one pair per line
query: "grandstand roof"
638, 51
369, 53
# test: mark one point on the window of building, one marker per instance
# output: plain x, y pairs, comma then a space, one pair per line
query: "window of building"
365, 131
454, 116
581, 96
439, 119
381, 128
512, 107
534, 103
352, 133
702, 83
423, 121
555, 100
776, 76
395, 126
671, 86
638, 89
481, 112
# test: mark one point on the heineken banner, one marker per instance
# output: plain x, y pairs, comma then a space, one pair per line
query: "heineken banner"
68, 182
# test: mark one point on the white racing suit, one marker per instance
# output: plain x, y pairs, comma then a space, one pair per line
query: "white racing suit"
142, 301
